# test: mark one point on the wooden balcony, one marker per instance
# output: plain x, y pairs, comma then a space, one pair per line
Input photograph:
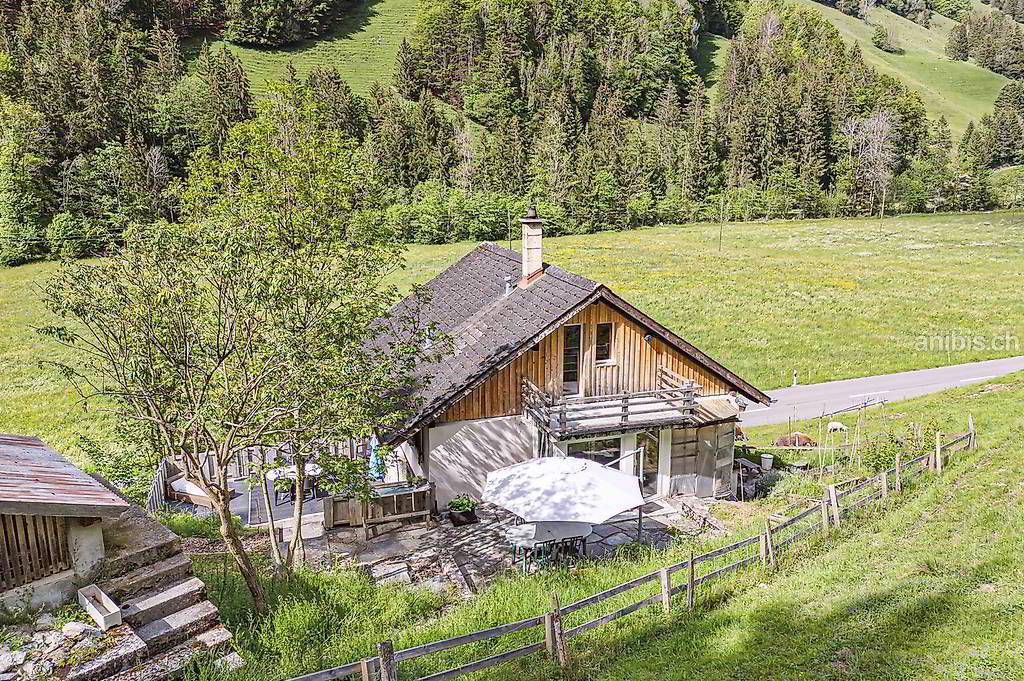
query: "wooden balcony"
673, 403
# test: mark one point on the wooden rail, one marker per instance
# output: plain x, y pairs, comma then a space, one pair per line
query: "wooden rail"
599, 413
735, 556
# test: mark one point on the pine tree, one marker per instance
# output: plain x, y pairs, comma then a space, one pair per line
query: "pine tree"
957, 44
668, 135
699, 171
407, 73
337, 106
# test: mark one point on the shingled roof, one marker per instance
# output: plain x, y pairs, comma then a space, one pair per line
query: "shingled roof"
489, 326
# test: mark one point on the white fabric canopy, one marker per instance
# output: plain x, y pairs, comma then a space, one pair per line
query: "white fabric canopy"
563, 488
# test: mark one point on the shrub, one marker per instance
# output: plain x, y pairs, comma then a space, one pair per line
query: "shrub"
883, 40
74, 236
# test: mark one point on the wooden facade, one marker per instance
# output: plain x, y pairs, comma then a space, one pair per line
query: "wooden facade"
31, 547
632, 368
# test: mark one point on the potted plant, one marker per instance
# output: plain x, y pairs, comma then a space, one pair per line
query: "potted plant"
462, 510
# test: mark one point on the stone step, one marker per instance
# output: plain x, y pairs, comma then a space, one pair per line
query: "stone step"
162, 601
176, 627
230, 662
127, 651
170, 664
135, 540
148, 577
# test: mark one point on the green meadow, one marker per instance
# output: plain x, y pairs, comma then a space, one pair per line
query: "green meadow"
830, 299
361, 44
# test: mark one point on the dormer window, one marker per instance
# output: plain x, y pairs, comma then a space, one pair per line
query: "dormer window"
603, 342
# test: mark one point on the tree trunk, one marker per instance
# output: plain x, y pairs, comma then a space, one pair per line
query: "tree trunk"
275, 547
295, 547
238, 552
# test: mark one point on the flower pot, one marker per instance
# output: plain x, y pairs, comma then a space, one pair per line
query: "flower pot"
460, 518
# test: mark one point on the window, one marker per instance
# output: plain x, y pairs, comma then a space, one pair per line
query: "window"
573, 336
602, 451
603, 348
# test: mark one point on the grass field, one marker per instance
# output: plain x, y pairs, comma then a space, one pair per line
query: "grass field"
712, 52
362, 45
830, 298
930, 590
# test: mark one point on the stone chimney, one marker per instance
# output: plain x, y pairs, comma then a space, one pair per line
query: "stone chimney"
533, 257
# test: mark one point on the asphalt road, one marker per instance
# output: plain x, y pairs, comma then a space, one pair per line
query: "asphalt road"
810, 401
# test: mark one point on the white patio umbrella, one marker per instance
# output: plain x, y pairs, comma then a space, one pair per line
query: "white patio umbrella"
563, 488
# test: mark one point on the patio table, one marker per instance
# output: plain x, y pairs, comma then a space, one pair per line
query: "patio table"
291, 472
528, 536
313, 471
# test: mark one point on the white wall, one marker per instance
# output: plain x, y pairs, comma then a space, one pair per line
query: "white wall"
463, 452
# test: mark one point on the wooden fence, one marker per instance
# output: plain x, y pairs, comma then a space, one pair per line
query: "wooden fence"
839, 501
31, 547
157, 500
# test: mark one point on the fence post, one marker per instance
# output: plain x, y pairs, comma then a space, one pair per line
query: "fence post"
666, 590
553, 635
833, 498
388, 666
549, 635
824, 513
937, 460
368, 669
690, 595
899, 472
885, 484
769, 543
972, 443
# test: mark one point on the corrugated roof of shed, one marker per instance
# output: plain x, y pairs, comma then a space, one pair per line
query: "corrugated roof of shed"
36, 480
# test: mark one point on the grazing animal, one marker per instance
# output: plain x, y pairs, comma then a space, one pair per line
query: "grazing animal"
837, 427
796, 439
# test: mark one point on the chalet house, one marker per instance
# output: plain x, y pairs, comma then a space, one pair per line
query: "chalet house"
548, 363
51, 537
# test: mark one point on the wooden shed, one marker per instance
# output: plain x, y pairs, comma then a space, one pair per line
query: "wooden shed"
51, 540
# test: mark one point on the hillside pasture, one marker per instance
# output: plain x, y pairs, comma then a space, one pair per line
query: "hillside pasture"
931, 591
361, 44
960, 91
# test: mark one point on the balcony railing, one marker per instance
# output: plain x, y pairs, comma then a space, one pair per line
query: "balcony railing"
673, 403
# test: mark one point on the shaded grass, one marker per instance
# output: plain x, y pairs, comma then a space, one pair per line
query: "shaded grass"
832, 299
185, 524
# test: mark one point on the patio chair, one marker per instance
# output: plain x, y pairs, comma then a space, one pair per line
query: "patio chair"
541, 554
283, 492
